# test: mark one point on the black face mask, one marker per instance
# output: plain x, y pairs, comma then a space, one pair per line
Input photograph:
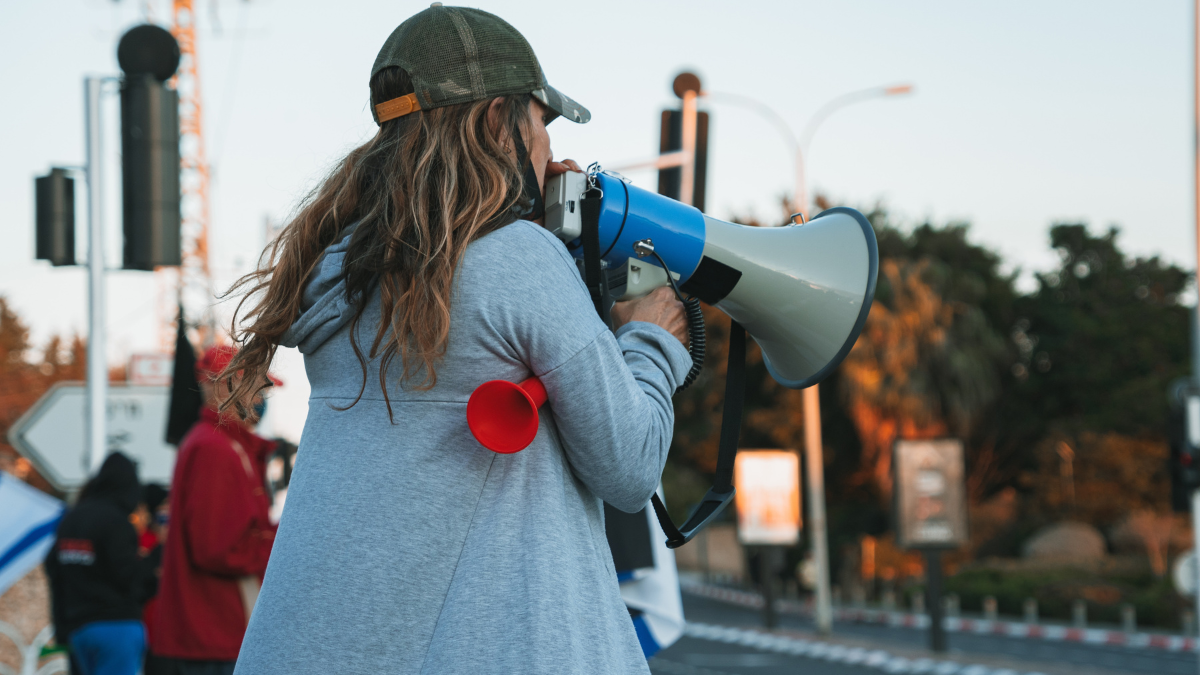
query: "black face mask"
531, 206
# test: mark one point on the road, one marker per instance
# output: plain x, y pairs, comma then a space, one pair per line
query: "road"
692, 656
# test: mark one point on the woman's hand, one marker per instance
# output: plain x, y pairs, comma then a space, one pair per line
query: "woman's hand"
554, 168
658, 307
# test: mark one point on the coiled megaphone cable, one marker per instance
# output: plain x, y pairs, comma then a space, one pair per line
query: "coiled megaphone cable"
697, 336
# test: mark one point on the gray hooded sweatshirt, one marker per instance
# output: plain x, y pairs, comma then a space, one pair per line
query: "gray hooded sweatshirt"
406, 546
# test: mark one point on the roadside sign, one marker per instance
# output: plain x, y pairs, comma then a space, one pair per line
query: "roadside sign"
768, 496
930, 494
151, 369
52, 433
1183, 573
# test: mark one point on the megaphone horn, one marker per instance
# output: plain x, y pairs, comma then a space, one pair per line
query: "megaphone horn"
802, 292
503, 416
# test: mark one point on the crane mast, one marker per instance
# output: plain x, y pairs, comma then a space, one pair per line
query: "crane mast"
192, 282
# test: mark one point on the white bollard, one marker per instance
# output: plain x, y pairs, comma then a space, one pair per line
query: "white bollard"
989, 608
1079, 614
1031, 610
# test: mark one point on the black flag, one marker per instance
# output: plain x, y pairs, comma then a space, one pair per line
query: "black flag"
185, 391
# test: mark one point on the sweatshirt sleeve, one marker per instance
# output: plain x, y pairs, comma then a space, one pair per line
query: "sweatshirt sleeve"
221, 528
610, 395
612, 405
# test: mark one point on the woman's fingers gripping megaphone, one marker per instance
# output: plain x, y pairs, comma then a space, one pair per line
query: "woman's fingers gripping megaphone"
659, 307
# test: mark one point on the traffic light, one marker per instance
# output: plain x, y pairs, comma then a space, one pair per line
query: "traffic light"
687, 87
671, 139
149, 55
1185, 448
54, 196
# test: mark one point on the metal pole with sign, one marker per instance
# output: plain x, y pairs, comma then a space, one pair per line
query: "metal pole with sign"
931, 513
97, 372
768, 509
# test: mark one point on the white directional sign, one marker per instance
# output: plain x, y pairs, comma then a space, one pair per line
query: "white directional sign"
52, 433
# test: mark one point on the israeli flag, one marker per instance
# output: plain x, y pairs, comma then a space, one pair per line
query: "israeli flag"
649, 581
28, 520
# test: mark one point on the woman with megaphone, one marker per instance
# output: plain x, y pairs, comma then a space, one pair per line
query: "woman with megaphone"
415, 272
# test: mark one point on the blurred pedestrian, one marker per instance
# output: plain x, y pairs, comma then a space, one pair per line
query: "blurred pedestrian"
98, 579
154, 511
219, 539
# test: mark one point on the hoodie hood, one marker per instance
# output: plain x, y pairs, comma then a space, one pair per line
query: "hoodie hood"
324, 308
117, 483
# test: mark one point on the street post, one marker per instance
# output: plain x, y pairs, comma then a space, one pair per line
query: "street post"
931, 513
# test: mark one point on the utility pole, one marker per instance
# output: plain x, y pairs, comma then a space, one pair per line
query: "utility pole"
817, 537
97, 361
1196, 217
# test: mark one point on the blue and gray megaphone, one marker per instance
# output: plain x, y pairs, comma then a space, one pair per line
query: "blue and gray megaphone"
802, 291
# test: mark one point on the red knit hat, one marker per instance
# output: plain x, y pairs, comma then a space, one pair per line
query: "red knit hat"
216, 359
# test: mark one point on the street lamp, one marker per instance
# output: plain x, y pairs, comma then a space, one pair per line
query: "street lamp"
799, 144
818, 539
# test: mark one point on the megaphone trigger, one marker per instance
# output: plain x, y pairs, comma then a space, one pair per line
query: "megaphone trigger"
503, 416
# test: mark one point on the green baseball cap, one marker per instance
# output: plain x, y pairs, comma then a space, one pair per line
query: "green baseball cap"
459, 54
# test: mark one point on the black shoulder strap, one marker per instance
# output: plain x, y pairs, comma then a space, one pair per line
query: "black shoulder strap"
731, 426
593, 277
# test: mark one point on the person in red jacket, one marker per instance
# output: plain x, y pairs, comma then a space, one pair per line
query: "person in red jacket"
219, 540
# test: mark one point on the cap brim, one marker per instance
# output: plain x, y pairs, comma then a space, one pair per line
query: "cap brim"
562, 104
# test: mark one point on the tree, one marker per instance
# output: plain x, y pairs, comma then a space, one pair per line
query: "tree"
23, 381
932, 357
1099, 341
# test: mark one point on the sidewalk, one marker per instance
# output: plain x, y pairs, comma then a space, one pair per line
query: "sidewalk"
1014, 629
725, 639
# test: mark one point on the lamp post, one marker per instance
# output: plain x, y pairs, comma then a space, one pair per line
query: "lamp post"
818, 539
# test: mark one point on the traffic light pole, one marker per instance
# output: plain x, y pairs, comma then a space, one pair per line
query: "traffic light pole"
687, 179
97, 372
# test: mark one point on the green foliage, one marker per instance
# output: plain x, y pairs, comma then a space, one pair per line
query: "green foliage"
1099, 341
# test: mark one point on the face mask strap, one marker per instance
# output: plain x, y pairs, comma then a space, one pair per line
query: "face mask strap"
532, 193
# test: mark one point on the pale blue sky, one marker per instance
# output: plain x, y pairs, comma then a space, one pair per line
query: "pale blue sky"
1025, 113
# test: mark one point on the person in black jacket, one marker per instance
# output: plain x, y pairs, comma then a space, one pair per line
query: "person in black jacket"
98, 580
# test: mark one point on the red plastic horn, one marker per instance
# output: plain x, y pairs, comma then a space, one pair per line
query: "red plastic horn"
503, 416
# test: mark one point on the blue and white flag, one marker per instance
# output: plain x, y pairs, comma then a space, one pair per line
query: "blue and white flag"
28, 520
652, 593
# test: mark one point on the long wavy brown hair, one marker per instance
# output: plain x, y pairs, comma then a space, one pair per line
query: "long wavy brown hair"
422, 189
